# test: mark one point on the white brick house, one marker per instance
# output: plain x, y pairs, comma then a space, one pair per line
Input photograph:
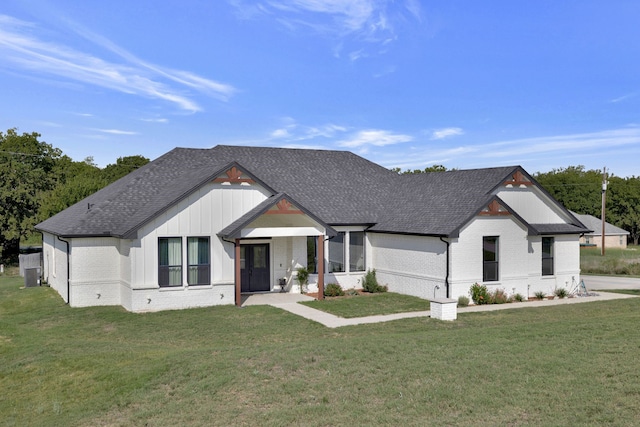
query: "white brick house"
201, 227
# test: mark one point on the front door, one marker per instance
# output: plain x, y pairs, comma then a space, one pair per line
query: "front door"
254, 268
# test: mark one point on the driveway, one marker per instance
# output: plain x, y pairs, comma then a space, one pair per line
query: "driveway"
604, 283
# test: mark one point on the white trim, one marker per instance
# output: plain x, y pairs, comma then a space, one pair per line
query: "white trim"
280, 232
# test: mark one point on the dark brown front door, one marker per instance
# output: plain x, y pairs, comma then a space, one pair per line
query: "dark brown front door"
254, 268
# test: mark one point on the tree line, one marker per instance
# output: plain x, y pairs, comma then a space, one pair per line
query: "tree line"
38, 181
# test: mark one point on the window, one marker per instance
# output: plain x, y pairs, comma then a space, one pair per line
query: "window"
336, 254
170, 261
621, 241
356, 251
587, 240
547, 256
490, 259
198, 261
312, 254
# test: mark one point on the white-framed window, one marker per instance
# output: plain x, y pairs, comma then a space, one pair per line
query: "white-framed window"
336, 253
356, 251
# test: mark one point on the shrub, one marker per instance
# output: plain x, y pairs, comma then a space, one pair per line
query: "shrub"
479, 294
498, 296
370, 283
518, 297
351, 292
333, 290
302, 278
463, 301
539, 295
561, 293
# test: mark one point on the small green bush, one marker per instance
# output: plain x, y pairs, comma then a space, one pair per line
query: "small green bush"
351, 292
561, 293
463, 301
498, 296
479, 294
539, 295
302, 278
370, 283
518, 297
333, 290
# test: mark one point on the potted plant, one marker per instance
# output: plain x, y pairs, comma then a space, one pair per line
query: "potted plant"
303, 278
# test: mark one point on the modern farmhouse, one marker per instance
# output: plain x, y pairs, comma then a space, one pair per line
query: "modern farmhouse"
200, 227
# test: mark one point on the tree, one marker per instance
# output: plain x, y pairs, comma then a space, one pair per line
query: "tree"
123, 166
623, 205
26, 167
434, 168
577, 189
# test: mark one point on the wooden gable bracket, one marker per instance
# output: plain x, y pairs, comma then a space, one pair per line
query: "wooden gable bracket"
494, 209
234, 177
284, 207
518, 179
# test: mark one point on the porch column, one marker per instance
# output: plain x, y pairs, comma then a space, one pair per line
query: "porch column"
237, 274
320, 267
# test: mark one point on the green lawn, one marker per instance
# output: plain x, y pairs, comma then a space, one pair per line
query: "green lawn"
563, 365
616, 261
370, 304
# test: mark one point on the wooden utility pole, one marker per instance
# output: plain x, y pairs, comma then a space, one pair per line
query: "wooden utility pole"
604, 205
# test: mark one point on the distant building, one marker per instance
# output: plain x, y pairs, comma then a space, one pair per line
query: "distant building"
615, 237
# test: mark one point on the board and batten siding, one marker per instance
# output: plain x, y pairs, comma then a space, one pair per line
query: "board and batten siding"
412, 265
203, 214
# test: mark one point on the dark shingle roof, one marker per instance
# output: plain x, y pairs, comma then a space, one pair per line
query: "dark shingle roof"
338, 187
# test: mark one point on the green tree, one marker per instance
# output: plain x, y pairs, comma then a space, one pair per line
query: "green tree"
434, 168
123, 166
26, 166
623, 205
577, 189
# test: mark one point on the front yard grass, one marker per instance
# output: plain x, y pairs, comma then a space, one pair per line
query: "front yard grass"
102, 366
369, 304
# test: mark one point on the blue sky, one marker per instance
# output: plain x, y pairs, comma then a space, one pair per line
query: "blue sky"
467, 84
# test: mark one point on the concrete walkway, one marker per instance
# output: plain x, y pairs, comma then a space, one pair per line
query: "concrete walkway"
289, 302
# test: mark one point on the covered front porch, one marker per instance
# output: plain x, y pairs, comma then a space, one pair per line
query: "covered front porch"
271, 242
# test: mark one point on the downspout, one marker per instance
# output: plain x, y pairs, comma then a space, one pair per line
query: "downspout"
446, 279
68, 270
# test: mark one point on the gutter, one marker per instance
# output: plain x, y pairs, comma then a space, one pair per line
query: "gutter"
446, 279
68, 270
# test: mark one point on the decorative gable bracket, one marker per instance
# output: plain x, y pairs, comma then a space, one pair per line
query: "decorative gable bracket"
518, 179
494, 209
284, 207
234, 176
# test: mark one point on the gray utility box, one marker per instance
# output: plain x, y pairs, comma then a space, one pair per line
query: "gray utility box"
31, 277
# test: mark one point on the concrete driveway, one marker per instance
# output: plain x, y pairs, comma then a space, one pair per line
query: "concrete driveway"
604, 283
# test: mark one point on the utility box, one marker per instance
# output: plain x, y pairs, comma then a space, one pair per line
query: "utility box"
31, 277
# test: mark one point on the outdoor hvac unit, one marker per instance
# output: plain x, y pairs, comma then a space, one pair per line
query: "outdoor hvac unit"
31, 277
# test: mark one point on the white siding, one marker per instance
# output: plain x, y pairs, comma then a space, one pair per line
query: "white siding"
54, 258
202, 214
95, 271
513, 256
532, 205
412, 265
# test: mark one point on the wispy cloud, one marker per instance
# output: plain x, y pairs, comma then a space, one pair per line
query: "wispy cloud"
374, 137
446, 133
159, 120
21, 48
293, 132
623, 98
116, 131
535, 152
369, 21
